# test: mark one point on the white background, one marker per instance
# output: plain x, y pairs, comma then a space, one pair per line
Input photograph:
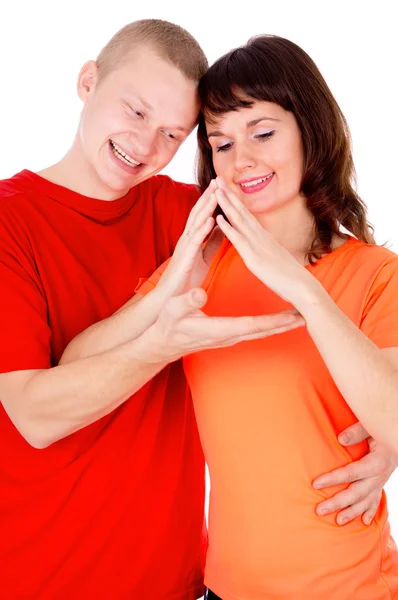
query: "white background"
355, 43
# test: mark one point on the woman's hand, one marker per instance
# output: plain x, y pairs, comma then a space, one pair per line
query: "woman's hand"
262, 254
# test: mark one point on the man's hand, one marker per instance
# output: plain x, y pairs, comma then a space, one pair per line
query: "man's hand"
366, 477
182, 328
190, 262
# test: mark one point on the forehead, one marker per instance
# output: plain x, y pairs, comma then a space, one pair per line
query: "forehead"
244, 116
164, 90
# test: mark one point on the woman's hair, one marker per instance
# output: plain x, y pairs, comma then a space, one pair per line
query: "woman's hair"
272, 69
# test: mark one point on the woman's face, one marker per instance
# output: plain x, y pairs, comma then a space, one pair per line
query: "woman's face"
258, 152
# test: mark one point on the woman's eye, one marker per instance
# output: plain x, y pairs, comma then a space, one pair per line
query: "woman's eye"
264, 136
224, 148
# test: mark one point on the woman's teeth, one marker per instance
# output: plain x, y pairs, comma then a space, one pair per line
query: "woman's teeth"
256, 181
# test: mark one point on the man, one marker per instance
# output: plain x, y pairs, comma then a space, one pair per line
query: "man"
102, 474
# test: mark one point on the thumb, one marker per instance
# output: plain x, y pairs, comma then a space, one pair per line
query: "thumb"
197, 297
353, 435
181, 306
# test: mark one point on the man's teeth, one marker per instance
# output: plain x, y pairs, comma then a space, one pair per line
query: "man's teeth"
257, 181
123, 156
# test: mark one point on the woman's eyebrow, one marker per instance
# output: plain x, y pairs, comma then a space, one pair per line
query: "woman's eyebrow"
249, 124
256, 121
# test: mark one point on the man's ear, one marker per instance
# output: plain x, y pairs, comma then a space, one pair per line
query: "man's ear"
87, 80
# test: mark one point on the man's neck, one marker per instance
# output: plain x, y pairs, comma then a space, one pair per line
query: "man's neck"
75, 173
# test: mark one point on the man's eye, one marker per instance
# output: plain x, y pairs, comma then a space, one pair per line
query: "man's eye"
171, 136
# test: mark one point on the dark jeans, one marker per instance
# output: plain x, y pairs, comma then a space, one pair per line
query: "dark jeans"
212, 596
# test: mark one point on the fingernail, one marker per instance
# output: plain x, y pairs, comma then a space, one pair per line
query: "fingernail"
322, 511
342, 520
344, 438
317, 485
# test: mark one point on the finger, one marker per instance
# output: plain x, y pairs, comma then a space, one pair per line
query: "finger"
206, 211
352, 512
236, 213
232, 198
355, 493
181, 306
198, 236
353, 435
260, 335
227, 328
234, 236
201, 203
369, 515
188, 247
360, 469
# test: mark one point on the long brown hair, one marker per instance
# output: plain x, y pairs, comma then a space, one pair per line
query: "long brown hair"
273, 69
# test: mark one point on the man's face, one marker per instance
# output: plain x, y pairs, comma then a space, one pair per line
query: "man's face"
134, 119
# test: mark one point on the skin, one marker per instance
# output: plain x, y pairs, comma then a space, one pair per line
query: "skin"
265, 140
148, 107
148, 117
149, 121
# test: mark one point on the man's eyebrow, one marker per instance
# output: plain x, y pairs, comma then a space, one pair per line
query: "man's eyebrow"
144, 103
249, 124
149, 108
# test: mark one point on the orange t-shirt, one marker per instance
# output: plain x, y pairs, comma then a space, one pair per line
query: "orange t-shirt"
269, 414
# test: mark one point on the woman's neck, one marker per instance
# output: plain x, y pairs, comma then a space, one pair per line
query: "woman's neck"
292, 225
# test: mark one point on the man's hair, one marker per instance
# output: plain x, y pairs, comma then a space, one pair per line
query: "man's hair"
171, 42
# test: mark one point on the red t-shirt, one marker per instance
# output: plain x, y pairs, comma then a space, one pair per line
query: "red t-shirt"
114, 511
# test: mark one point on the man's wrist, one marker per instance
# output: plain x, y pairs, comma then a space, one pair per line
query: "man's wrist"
150, 348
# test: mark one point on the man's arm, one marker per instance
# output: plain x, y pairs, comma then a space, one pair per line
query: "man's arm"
127, 324
185, 270
47, 405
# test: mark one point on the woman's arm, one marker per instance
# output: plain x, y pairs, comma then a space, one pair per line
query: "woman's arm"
366, 376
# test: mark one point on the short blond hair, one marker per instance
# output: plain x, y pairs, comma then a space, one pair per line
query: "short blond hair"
170, 41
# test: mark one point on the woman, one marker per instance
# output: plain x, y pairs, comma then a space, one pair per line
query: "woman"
272, 129
269, 410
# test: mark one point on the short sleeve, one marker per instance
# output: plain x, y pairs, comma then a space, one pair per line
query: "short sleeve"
380, 315
25, 333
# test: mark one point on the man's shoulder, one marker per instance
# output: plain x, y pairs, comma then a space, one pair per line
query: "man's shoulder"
13, 192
